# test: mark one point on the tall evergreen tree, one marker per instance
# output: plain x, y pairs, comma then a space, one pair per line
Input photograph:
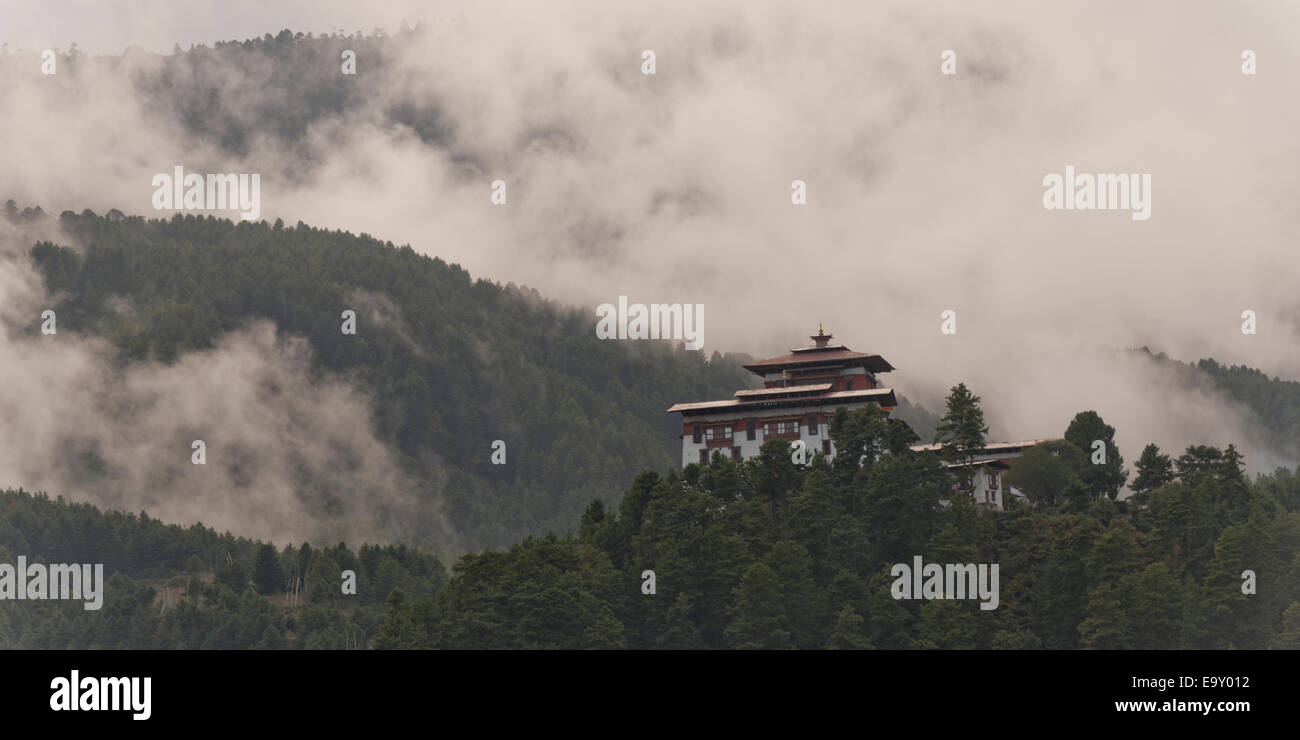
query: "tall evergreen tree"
961, 431
1197, 462
1153, 470
1289, 637
758, 614
1104, 474
962, 427
847, 632
267, 577
679, 632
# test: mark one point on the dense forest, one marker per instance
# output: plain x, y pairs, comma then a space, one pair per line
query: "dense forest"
1274, 402
760, 554
451, 363
191, 588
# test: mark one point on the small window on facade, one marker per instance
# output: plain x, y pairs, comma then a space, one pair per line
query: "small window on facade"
751, 431
812, 425
735, 453
848, 384
696, 434
826, 447
704, 457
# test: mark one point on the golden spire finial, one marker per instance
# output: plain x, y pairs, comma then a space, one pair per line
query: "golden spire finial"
821, 338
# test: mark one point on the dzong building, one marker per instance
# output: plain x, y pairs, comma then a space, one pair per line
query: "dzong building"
801, 392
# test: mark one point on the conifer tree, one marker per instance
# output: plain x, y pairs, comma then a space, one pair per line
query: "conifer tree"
962, 427
1104, 478
678, 631
1153, 470
847, 632
267, 577
961, 432
1289, 637
758, 617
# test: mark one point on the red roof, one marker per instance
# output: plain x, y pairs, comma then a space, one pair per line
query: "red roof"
789, 390
813, 356
882, 396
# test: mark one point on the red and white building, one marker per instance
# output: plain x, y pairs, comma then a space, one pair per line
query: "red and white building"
800, 392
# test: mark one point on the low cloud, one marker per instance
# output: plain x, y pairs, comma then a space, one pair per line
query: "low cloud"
290, 456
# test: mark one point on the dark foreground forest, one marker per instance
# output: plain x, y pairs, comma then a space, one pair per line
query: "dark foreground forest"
761, 554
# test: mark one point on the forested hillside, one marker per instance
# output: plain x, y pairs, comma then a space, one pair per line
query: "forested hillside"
451, 364
1270, 406
298, 87
1276, 402
172, 587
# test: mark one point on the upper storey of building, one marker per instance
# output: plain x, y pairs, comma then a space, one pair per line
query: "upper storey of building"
821, 374
822, 362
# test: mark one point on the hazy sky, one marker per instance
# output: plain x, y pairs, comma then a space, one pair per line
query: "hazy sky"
925, 191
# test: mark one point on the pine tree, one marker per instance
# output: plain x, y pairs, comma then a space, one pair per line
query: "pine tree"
271, 639
1197, 462
801, 601
946, 625
267, 577
1233, 618
1106, 627
847, 632
1104, 478
1153, 470
962, 427
758, 619
606, 633
1230, 468
679, 632
234, 576
1289, 637
397, 632
961, 432
1158, 606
